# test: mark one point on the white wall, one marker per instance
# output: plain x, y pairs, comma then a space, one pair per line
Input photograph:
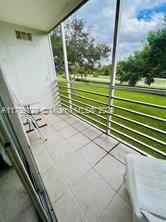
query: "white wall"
28, 66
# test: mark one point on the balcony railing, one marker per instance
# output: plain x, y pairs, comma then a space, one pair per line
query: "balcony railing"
136, 122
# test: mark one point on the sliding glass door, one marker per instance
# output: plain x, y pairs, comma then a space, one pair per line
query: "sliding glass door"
16, 149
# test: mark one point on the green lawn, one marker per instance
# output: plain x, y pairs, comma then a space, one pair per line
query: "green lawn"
150, 98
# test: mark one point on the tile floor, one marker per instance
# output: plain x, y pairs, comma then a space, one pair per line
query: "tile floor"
15, 204
83, 171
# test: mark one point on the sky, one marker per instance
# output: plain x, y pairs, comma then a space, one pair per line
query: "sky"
138, 18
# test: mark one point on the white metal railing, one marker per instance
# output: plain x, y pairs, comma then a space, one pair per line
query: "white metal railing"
84, 102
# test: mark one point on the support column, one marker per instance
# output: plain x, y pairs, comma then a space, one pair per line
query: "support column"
114, 60
66, 66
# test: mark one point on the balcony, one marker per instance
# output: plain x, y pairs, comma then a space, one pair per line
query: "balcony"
82, 170
82, 162
132, 115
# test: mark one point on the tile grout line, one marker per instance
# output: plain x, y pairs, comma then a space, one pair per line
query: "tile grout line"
117, 159
104, 179
107, 206
92, 140
114, 147
100, 159
68, 187
91, 167
73, 196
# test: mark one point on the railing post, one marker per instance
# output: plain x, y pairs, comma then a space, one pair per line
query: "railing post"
66, 66
114, 60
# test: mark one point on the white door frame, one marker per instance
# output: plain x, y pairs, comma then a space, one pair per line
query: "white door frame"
6, 98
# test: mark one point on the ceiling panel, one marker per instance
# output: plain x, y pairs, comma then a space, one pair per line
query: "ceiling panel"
37, 14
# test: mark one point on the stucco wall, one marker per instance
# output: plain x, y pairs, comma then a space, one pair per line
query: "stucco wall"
28, 65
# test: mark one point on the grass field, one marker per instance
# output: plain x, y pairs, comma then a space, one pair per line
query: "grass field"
159, 83
138, 96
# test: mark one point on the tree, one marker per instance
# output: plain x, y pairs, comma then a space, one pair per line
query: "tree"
148, 62
104, 70
132, 69
157, 50
57, 47
83, 49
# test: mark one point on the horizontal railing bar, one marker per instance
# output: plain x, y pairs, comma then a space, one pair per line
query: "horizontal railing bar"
120, 140
100, 85
140, 103
122, 117
130, 145
137, 141
142, 90
90, 112
123, 134
127, 110
86, 91
129, 137
64, 101
89, 123
64, 96
59, 85
62, 91
93, 107
86, 83
138, 113
92, 100
84, 120
86, 116
132, 111
139, 123
139, 133
127, 88
93, 84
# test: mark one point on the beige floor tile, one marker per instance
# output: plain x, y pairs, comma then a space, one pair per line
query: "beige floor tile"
106, 142
117, 211
91, 132
78, 141
26, 127
15, 204
41, 122
121, 150
73, 168
92, 153
44, 162
81, 125
54, 184
66, 116
72, 120
33, 136
67, 209
53, 139
60, 151
60, 125
68, 131
93, 195
124, 194
48, 130
111, 170
37, 147
48, 117
55, 119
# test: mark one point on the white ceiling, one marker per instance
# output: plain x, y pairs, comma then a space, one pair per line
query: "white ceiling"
38, 14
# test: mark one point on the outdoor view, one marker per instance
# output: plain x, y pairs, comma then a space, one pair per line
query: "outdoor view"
138, 114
